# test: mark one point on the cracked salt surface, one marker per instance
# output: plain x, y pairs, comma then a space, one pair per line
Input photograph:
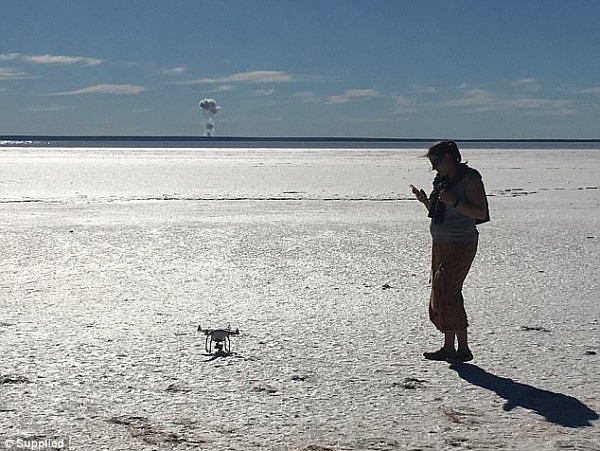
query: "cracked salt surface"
101, 303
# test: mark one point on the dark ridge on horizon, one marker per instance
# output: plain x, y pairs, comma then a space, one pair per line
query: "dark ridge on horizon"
323, 139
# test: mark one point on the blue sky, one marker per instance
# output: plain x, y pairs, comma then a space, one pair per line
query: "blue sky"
371, 68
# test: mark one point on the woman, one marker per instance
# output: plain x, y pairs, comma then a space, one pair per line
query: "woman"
456, 204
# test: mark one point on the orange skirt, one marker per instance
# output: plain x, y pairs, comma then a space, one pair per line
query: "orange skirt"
450, 264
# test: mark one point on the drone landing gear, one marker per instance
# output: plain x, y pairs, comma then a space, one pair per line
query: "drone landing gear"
222, 346
220, 338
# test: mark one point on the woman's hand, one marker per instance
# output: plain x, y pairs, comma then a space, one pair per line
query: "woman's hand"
447, 197
474, 206
420, 195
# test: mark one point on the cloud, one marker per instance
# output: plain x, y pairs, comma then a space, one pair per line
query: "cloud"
544, 107
173, 70
61, 59
9, 56
477, 98
50, 59
263, 92
257, 76
403, 105
483, 100
594, 90
526, 84
221, 88
353, 94
9, 73
104, 89
306, 97
428, 90
46, 108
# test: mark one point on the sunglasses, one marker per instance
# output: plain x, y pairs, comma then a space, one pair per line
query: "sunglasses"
435, 163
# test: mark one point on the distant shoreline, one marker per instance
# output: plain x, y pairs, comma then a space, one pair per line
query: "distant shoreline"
7, 141
274, 139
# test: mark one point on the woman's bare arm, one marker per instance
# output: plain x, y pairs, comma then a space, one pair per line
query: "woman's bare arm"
475, 205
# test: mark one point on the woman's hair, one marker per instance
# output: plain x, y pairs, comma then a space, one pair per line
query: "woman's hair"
440, 148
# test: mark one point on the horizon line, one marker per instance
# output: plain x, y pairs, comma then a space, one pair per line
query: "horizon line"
23, 137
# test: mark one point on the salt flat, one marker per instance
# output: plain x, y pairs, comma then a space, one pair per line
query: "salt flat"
102, 290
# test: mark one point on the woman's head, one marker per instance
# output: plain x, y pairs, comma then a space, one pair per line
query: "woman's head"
444, 156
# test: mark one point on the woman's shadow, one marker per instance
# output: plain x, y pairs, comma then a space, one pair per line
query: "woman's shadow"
555, 407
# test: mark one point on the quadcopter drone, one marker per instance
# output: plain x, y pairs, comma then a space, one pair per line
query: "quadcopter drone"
220, 337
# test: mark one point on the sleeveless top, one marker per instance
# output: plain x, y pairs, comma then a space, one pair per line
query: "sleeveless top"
454, 226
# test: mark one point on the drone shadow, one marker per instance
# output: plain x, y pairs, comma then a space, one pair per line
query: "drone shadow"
218, 355
555, 407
